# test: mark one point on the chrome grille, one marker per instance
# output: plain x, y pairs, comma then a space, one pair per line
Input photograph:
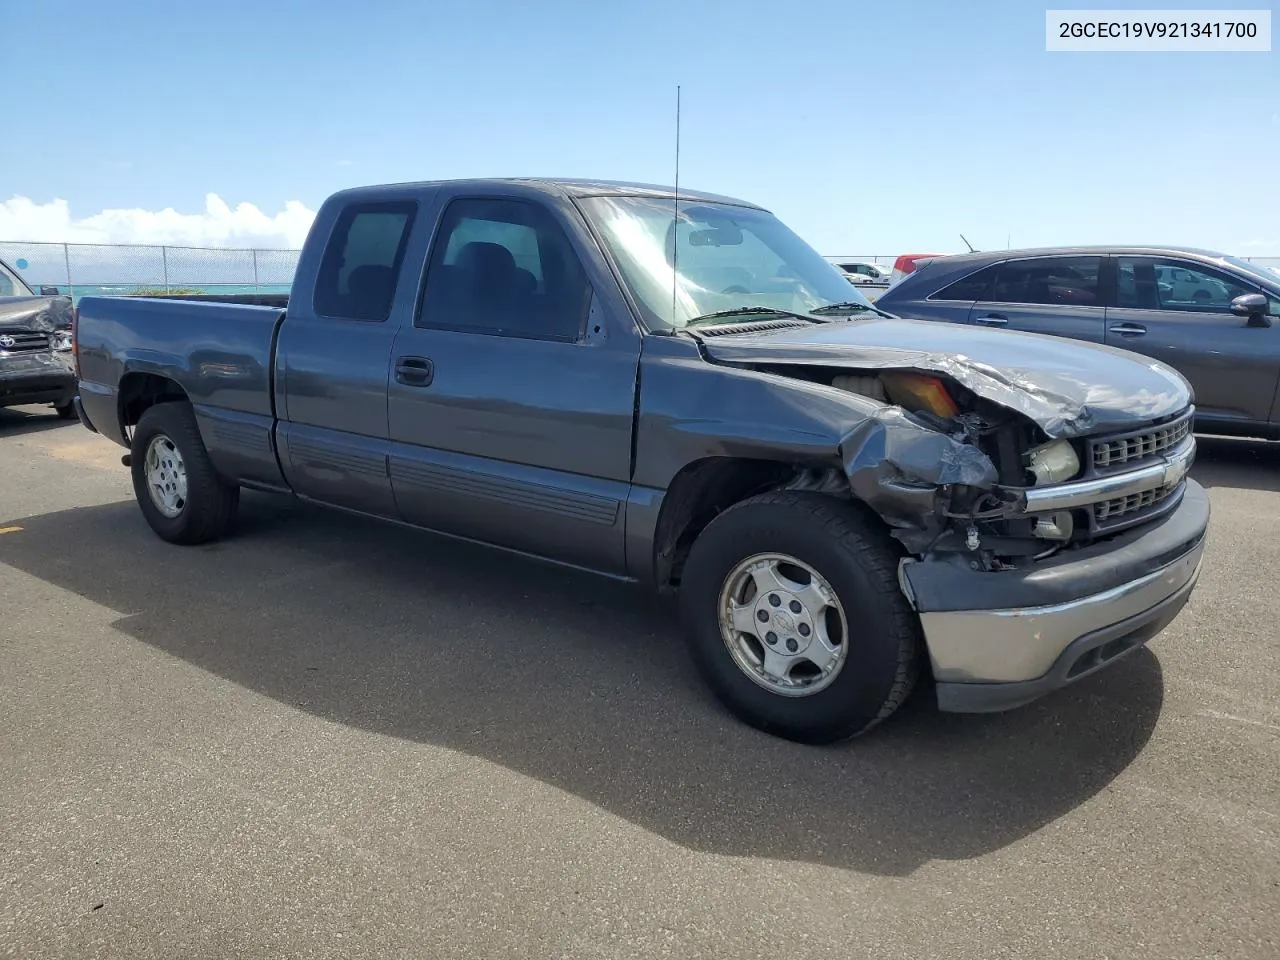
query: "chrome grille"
1157, 441
23, 341
1109, 510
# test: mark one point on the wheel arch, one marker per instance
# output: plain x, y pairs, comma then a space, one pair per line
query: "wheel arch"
705, 488
139, 391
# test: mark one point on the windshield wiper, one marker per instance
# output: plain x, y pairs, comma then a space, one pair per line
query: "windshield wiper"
848, 308
747, 311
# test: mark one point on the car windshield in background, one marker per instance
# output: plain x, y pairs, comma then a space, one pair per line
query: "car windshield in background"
717, 258
1265, 274
11, 284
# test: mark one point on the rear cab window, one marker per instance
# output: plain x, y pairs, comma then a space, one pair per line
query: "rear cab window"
362, 260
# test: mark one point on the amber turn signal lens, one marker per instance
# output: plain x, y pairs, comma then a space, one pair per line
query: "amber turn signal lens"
915, 391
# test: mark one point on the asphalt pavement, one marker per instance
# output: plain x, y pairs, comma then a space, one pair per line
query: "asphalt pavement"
326, 737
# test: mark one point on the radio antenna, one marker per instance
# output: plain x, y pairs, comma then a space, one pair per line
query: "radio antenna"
675, 221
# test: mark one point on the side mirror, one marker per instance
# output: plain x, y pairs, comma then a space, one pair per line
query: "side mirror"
1254, 307
50, 292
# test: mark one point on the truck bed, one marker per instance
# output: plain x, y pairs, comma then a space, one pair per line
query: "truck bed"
218, 352
277, 300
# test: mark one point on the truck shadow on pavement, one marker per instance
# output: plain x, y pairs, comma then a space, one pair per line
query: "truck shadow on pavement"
581, 684
14, 422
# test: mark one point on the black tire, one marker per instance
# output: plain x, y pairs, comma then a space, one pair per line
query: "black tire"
211, 502
66, 410
856, 556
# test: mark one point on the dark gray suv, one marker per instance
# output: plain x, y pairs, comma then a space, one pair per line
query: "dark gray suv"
1211, 317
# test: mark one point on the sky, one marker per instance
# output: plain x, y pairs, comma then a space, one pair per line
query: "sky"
869, 128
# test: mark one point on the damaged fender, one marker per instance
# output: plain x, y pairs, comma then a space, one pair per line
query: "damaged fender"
896, 466
693, 413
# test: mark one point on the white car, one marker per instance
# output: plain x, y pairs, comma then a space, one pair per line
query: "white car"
860, 271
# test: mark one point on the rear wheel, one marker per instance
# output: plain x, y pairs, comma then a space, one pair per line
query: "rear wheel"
794, 617
180, 494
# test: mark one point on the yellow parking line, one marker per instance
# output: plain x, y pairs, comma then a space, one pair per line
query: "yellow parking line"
9, 529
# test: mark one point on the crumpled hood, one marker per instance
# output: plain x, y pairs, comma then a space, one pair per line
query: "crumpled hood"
1067, 387
41, 314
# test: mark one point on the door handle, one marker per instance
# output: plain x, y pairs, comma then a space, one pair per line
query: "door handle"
1128, 329
993, 320
415, 371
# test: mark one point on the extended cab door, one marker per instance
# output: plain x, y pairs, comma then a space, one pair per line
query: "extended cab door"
1180, 312
512, 388
1060, 296
334, 352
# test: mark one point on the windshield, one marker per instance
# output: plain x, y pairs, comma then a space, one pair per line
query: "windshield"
1263, 273
11, 284
727, 257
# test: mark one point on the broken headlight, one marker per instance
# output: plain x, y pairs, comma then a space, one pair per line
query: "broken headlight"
1053, 462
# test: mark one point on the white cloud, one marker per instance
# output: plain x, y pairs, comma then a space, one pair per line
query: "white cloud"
220, 225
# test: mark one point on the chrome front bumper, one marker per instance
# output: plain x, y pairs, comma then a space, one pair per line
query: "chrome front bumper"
1061, 621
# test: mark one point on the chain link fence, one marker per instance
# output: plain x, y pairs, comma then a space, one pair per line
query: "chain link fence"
81, 269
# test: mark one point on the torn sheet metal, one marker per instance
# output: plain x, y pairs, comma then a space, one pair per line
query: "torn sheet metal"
895, 465
38, 314
1067, 388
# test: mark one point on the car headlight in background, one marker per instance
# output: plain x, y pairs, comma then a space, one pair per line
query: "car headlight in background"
60, 340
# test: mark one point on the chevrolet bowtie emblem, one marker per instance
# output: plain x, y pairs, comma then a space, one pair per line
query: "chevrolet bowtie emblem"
1174, 471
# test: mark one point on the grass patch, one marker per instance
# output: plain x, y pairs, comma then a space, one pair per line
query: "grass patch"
162, 292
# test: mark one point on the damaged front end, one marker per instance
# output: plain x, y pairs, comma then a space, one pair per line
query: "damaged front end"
36, 364
991, 447
946, 469
954, 473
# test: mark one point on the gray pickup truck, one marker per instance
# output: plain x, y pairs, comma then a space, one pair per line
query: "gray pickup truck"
677, 390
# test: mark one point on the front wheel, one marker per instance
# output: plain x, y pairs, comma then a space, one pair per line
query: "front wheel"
794, 617
65, 411
180, 494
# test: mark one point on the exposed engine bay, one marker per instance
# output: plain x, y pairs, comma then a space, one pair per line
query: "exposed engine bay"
950, 470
